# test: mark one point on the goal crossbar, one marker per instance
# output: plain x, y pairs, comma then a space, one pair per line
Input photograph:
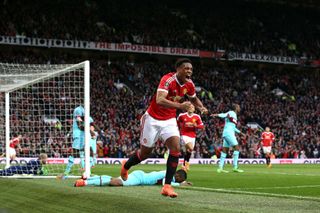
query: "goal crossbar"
41, 77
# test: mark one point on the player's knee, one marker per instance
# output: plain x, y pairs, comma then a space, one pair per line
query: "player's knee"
115, 182
174, 153
189, 147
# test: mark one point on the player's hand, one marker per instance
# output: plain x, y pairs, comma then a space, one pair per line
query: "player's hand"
79, 119
214, 115
185, 105
186, 183
241, 133
203, 110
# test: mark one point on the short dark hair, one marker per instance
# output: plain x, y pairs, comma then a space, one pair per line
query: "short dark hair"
182, 174
180, 61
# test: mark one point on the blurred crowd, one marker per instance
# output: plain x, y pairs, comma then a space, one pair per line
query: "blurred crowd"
276, 28
286, 99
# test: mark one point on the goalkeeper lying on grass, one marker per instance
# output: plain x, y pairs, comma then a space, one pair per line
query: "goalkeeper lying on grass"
33, 167
135, 178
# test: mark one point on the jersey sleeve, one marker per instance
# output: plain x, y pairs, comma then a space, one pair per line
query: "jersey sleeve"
272, 137
199, 123
164, 84
172, 183
175, 184
222, 115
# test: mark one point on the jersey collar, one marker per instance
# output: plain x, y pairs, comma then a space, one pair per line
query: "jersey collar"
175, 77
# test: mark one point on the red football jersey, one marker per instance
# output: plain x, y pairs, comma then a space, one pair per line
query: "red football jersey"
176, 92
267, 138
14, 142
186, 124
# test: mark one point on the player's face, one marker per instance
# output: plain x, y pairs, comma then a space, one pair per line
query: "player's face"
237, 108
191, 109
178, 178
184, 72
44, 161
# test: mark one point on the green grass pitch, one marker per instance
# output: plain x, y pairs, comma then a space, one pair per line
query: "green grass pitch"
283, 188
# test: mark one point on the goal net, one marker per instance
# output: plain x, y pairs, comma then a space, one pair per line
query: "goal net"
36, 118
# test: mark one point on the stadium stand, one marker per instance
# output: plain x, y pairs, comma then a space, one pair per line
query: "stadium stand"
293, 117
290, 29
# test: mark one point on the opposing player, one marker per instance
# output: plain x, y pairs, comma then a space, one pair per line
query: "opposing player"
160, 120
267, 139
33, 167
135, 178
229, 138
77, 138
188, 123
14, 143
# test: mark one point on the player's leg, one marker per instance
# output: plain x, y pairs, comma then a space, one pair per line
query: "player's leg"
149, 135
267, 151
189, 145
234, 143
6, 172
116, 182
103, 180
12, 170
93, 151
76, 144
75, 153
172, 163
82, 153
170, 134
12, 154
223, 155
92, 162
135, 159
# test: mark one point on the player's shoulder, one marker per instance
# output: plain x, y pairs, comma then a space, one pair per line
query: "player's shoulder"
231, 113
182, 114
196, 115
169, 75
190, 83
80, 108
91, 119
169, 78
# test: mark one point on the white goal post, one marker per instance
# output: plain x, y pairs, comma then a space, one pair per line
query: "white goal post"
36, 106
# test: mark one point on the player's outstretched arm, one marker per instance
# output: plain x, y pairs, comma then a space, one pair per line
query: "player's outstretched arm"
198, 104
186, 183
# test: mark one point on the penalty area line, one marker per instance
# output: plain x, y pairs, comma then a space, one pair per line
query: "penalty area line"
230, 191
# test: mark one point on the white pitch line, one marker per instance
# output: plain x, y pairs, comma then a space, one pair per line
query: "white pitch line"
285, 173
257, 193
280, 187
